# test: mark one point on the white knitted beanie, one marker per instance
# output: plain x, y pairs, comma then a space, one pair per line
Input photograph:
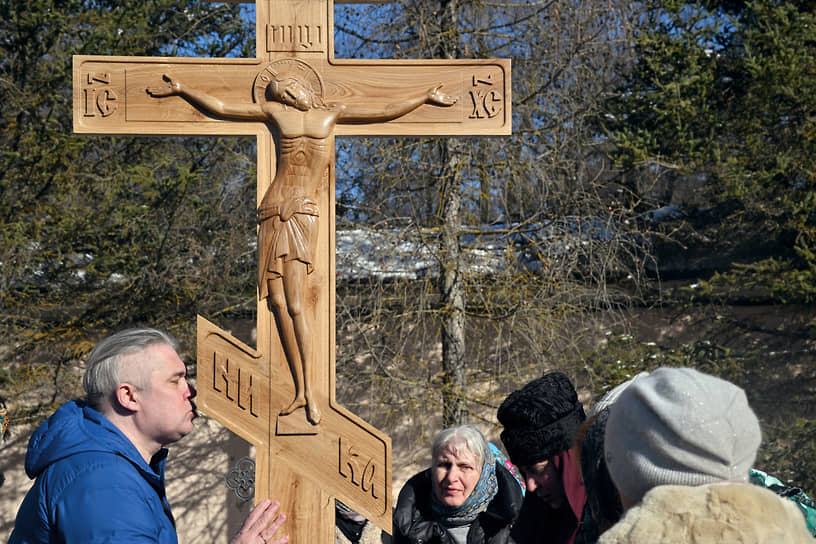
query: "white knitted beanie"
682, 427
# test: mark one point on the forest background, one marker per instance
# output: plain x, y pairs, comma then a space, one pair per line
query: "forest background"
655, 205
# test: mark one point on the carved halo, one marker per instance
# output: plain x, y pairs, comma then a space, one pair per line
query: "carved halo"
287, 68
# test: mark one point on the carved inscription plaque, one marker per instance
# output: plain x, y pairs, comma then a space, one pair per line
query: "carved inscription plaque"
303, 31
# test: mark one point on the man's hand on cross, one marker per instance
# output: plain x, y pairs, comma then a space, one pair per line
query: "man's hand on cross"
257, 528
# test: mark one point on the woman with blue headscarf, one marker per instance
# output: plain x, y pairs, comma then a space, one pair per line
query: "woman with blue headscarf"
467, 496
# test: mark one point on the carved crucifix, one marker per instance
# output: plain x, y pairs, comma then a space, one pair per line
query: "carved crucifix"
294, 97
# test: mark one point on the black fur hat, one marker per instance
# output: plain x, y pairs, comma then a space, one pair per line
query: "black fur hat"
541, 419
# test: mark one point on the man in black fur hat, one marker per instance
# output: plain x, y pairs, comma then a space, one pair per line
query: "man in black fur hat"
542, 422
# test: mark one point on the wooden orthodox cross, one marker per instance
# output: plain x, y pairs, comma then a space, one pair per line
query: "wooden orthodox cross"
294, 97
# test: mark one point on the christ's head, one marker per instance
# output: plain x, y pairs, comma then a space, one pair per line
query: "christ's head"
291, 92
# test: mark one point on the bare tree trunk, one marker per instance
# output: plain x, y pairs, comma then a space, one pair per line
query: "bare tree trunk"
484, 200
451, 287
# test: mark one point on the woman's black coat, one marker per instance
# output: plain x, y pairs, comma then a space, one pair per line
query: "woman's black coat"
414, 522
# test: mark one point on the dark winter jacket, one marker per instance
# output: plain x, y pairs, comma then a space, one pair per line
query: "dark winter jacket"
603, 507
414, 521
92, 485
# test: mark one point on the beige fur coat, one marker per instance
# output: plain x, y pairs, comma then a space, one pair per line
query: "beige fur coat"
737, 513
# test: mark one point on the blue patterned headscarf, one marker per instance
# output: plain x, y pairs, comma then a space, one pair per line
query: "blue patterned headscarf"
502, 459
486, 488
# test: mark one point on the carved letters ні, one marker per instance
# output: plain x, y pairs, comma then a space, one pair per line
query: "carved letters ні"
237, 384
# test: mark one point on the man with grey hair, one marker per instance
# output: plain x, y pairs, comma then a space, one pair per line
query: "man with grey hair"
99, 463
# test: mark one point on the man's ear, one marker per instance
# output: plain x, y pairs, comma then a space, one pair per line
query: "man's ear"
127, 396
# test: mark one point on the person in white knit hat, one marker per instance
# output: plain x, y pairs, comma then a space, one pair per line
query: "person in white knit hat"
679, 445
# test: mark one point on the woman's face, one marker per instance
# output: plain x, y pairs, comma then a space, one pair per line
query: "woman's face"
455, 473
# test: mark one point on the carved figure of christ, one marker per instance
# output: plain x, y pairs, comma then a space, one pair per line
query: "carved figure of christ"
288, 212
302, 464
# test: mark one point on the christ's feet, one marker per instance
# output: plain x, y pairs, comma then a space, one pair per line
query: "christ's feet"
299, 402
312, 413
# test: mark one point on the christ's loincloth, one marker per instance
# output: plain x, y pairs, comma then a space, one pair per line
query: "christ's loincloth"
282, 241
